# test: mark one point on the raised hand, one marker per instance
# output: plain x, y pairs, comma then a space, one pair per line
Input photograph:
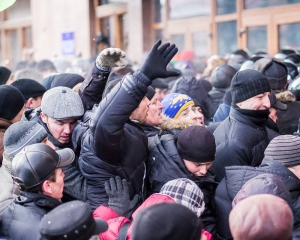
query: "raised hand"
110, 57
157, 61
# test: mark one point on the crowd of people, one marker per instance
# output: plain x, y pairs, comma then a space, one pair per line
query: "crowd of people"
162, 152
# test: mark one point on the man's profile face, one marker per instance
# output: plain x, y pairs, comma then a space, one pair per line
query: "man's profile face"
155, 109
258, 102
61, 130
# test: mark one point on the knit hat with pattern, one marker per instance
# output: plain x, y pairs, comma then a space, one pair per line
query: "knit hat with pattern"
285, 149
175, 103
186, 193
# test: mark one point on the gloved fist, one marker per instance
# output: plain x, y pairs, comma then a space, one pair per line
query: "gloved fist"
119, 198
157, 61
110, 57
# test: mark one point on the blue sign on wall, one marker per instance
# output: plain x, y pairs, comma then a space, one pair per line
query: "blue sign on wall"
68, 43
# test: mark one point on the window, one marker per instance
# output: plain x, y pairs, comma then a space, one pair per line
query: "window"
188, 8
159, 10
226, 6
200, 44
227, 37
257, 39
289, 35
178, 40
158, 34
249, 4
19, 9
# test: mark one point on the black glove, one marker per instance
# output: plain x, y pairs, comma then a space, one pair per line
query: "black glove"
118, 193
157, 61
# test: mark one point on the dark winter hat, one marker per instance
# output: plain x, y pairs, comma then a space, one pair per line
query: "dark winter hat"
150, 93
47, 81
166, 221
248, 64
292, 69
4, 75
263, 184
247, 84
69, 80
185, 192
20, 134
276, 104
11, 102
284, 149
222, 75
275, 71
71, 220
36, 162
196, 144
29, 88
227, 99
62, 103
159, 83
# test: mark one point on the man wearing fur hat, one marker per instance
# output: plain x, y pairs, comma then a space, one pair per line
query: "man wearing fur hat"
276, 72
242, 137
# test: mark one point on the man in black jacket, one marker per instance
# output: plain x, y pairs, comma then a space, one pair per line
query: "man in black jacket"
115, 144
281, 159
242, 137
37, 169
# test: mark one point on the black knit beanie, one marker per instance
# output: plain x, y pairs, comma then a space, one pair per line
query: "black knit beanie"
196, 144
11, 102
150, 93
166, 221
29, 88
4, 75
247, 84
285, 150
20, 134
69, 80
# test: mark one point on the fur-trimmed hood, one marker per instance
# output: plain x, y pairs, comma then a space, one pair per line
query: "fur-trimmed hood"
170, 123
285, 97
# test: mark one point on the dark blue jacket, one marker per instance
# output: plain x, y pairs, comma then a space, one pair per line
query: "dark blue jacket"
237, 176
21, 219
115, 145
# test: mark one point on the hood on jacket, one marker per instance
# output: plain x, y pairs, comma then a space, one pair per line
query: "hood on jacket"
170, 123
286, 96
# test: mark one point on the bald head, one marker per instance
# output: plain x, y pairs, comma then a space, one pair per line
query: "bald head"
261, 217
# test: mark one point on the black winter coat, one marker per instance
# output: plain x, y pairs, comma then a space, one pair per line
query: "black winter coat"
21, 219
241, 139
165, 164
237, 176
216, 95
75, 183
115, 145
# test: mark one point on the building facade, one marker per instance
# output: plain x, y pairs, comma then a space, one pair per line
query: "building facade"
40, 29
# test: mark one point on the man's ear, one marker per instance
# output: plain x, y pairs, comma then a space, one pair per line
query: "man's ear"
44, 117
46, 186
29, 103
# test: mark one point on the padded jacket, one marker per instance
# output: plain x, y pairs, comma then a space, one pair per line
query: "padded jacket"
241, 139
237, 176
115, 145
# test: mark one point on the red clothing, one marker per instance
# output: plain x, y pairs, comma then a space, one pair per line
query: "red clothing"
115, 222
